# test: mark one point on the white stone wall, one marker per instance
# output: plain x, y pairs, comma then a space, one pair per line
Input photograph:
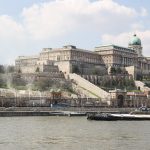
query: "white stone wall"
63, 66
131, 70
142, 86
27, 69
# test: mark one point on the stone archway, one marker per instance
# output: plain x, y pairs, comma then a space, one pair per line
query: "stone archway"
120, 100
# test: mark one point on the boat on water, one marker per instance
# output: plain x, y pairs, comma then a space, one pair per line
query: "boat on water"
140, 114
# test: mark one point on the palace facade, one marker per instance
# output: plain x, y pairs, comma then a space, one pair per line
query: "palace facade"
70, 59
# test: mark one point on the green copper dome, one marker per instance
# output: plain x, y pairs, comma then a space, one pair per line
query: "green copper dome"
135, 40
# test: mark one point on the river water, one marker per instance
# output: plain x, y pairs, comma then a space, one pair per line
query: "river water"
72, 133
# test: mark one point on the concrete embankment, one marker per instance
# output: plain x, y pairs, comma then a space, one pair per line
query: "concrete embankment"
30, 113
58, 112
40, 113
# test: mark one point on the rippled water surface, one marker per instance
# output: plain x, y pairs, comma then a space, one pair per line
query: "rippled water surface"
72, 133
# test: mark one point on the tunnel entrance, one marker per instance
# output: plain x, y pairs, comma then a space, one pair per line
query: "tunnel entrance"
120, 100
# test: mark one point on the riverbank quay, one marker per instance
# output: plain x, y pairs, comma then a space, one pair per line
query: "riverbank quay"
65, 111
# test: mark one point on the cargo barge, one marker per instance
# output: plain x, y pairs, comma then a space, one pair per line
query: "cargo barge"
137, 115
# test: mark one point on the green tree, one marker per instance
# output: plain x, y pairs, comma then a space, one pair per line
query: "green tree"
17, 80
2, 69
3, 83
139, 77
10, 69
19, 70
118, 70
95, 71
75, 69
37, 69
112, 70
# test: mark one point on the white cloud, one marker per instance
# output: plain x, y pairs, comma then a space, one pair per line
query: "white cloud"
9, 27
63, 16
59, 21
120, 39
143, 12
137, 26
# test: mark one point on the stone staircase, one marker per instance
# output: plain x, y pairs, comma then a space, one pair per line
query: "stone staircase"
89, 87
81, 92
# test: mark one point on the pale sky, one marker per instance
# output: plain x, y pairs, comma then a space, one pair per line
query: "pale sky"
27, 26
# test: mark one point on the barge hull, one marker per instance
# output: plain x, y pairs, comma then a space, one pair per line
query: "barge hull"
114, 117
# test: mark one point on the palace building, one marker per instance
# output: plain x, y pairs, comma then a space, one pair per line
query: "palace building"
70, 59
